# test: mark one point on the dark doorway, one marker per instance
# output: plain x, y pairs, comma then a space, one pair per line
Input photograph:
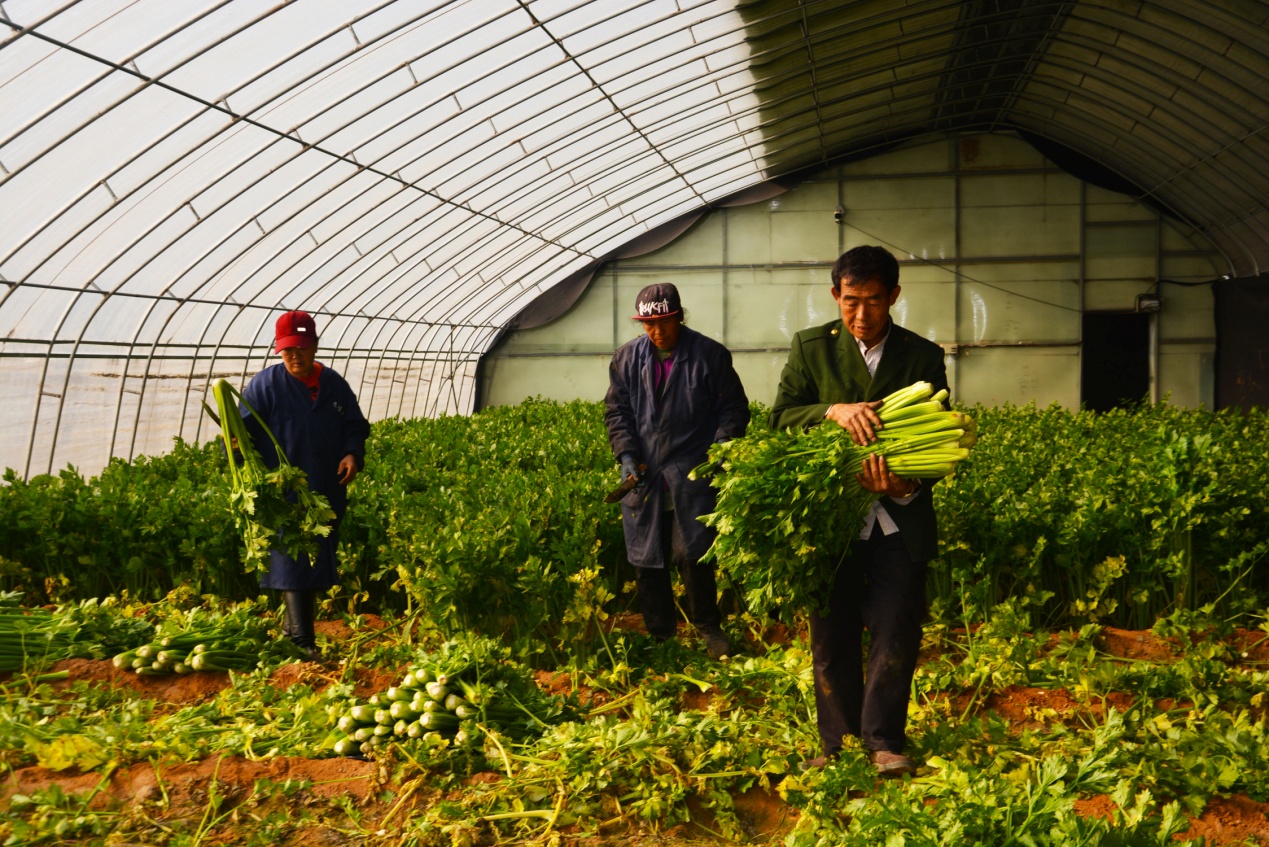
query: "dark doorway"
1242, 350
1115, 361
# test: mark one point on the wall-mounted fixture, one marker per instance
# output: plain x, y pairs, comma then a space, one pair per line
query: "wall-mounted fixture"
838, 213
1148, 302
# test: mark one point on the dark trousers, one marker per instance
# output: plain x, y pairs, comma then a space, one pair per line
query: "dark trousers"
656, 594
878, 587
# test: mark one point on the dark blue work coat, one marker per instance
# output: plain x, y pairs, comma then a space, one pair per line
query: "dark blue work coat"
703, 402
315, 438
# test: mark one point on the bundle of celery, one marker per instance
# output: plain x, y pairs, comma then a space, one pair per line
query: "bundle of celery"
212, 648
35, 637
271, 508
789, 503
31, 636
449, 701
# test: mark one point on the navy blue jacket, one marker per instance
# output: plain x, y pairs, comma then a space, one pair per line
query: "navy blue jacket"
703, 402
315, 438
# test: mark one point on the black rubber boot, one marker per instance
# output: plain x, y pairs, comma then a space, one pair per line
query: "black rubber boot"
298, 622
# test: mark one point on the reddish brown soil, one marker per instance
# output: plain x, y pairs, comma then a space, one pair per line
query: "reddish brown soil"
762, 814
763, 817
302, 673
772, 634
1137, 645
1251, 645
1232, 820
1097, 806
693, 699
1246, 646
339, 630
373, 680
183, 689
186, 783
1236, 819
561, 684
1030, 708
626, 622
178, 688
776, 633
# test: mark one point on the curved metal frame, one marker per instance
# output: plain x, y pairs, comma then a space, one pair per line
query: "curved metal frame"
462, 213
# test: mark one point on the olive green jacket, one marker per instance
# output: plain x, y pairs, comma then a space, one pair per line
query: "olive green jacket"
826, 367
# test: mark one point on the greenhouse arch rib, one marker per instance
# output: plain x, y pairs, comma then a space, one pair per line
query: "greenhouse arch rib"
525, 139
75, 349
209, 106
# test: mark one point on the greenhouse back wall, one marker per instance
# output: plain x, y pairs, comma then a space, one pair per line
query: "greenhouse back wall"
1003, 256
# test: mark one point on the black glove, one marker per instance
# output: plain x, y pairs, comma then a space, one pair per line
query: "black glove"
629, 467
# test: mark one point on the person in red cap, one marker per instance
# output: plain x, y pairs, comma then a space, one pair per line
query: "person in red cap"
672, 393
313, 413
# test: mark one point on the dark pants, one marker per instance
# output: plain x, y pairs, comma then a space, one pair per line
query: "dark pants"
656, 594
878, 587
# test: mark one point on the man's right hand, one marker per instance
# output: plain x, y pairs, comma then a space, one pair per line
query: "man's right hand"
629, 467
859, 419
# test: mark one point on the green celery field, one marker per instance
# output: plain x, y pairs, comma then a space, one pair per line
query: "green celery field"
496, 522
1093, 671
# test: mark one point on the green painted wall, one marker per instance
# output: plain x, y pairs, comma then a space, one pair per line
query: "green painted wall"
1000, 252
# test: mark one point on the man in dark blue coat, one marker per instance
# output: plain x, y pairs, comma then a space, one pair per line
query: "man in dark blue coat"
672, 393
314, 415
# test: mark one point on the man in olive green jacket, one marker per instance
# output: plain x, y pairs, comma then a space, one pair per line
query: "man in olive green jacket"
839, 372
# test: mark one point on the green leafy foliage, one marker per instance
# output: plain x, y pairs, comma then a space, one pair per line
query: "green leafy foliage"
51, 815
785, 504
675, 733
495, 527
35, 637
1049, 500
272, 508
486, 522
788, 503
141, 528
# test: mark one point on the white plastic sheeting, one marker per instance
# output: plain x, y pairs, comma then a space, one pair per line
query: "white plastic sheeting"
174, 173
177, 172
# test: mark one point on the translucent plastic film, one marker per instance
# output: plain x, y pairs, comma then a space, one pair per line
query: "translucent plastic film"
175, 173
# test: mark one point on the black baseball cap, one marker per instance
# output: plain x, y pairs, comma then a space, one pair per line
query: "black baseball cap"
659, 300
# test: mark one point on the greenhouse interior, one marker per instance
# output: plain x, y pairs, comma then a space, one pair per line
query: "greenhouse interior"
449, 219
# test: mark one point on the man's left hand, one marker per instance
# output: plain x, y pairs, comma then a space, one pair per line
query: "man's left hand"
347, 469
877, 478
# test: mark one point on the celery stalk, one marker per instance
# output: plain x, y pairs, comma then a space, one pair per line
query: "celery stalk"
789, 501
271, 508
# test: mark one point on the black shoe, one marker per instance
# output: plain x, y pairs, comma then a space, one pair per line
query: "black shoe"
716, 644
298, 623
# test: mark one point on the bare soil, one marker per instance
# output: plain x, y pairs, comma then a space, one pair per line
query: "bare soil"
187, 783
185, 787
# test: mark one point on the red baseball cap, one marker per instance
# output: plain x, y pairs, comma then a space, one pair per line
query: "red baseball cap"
294, 329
